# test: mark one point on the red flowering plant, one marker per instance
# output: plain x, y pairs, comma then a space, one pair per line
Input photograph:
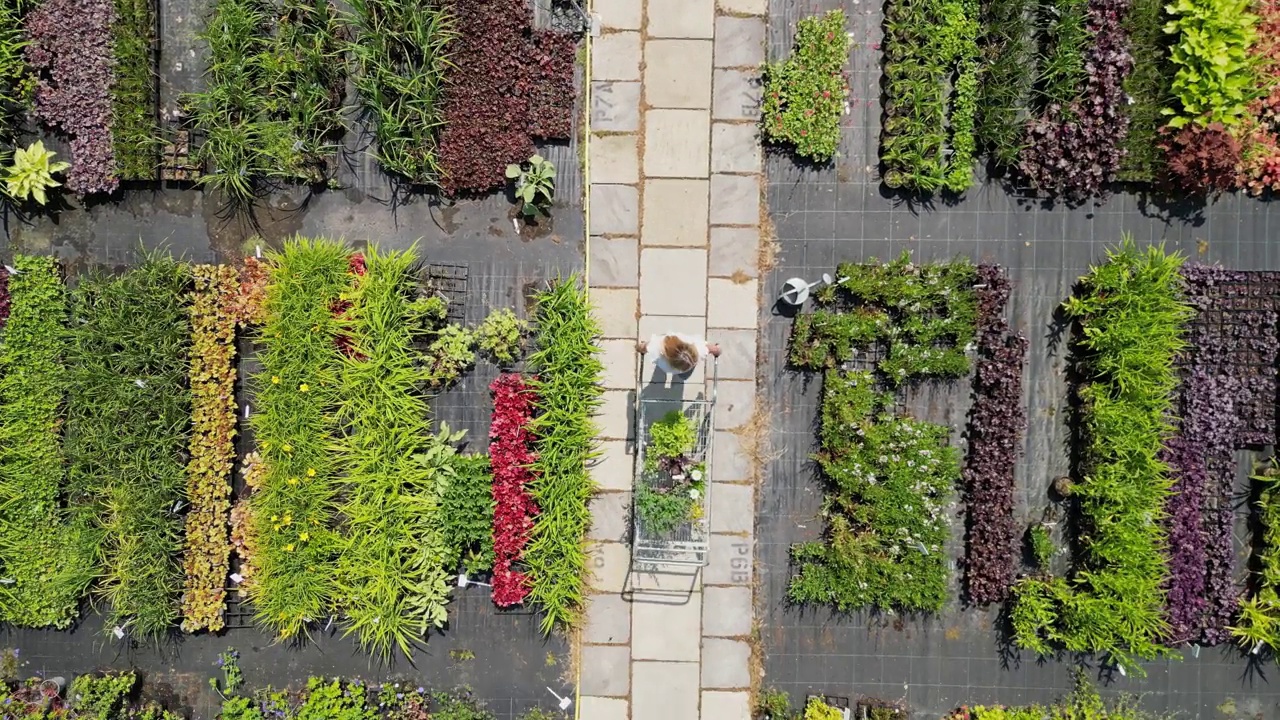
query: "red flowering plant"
510, 456
356, 268
804, 95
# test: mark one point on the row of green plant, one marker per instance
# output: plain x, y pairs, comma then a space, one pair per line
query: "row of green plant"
567, 388
1084, 703
918, 318
1132, 314
805, 94
1214, 79
931, 71
1005, 44
392, 580
889, 479
207, 548
128, 428
110, 696
272, 104
135, 90
46, 550
326, 698
292, 512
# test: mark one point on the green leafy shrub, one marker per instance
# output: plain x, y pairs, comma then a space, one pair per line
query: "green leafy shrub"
128, 430
450, 354
292, 509
391, 575
535, 184
46, 550
1149, 87
773, 704
1041, 545
135, 125
804, 95
501, 336
674, 478
1132, 314
925, 314
466, 511
567, 388
1215, 78
889, 481
102, 697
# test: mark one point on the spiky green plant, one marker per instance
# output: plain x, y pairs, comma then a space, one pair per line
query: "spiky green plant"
43, 549
292, 511
391, 574
1132, 313
567, 386
128, 427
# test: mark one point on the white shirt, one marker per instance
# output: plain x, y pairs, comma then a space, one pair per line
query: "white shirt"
655, 347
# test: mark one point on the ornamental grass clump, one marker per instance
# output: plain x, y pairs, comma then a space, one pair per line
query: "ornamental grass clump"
392, 580
128, 432
567, 391
399, 60
804, 95
135, 125
293, 509
511, 456
44, 548
206, 558
1132, 313
1258, 626
890, 478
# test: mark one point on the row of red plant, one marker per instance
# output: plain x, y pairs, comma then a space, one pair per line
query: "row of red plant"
69, 45
507, 85
996, 423
510, 456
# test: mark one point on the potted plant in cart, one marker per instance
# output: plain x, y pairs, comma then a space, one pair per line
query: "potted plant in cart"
675, 477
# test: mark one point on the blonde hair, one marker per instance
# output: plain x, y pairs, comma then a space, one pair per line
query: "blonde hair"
681, 355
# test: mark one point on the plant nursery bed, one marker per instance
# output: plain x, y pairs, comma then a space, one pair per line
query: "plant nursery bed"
823, 217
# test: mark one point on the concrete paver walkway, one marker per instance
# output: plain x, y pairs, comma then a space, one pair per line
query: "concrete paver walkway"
675, 193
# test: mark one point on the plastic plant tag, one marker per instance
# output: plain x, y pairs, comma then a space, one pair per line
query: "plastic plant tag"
246, 411
12, 270
118, 631
257, 251
140, 383
237, 578
7, 581
564, 701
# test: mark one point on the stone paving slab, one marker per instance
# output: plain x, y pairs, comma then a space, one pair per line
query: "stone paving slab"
615, 209
730, 560
677, 145
681, 18
733, 508
619, 358
675, 213
737, 353
615, 309
604, 670
742, 7
673, 281
725, 664
735, 148
734, 251
608, 620
732, 304
608, 564
614, 262
614, 418
727, 612
729, 463
739, 42
615, 106
735, 94
735, 402
735, 199
667, 631
619, 14
616, 56
597, 708
610, 516
615, 467
677, 74
722, 705
665, 691
615, 159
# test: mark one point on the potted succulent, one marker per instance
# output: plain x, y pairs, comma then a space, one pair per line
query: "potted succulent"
676, 478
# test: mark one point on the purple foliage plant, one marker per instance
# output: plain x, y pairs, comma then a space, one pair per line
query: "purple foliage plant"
996, 422
1074, 151
70, 47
